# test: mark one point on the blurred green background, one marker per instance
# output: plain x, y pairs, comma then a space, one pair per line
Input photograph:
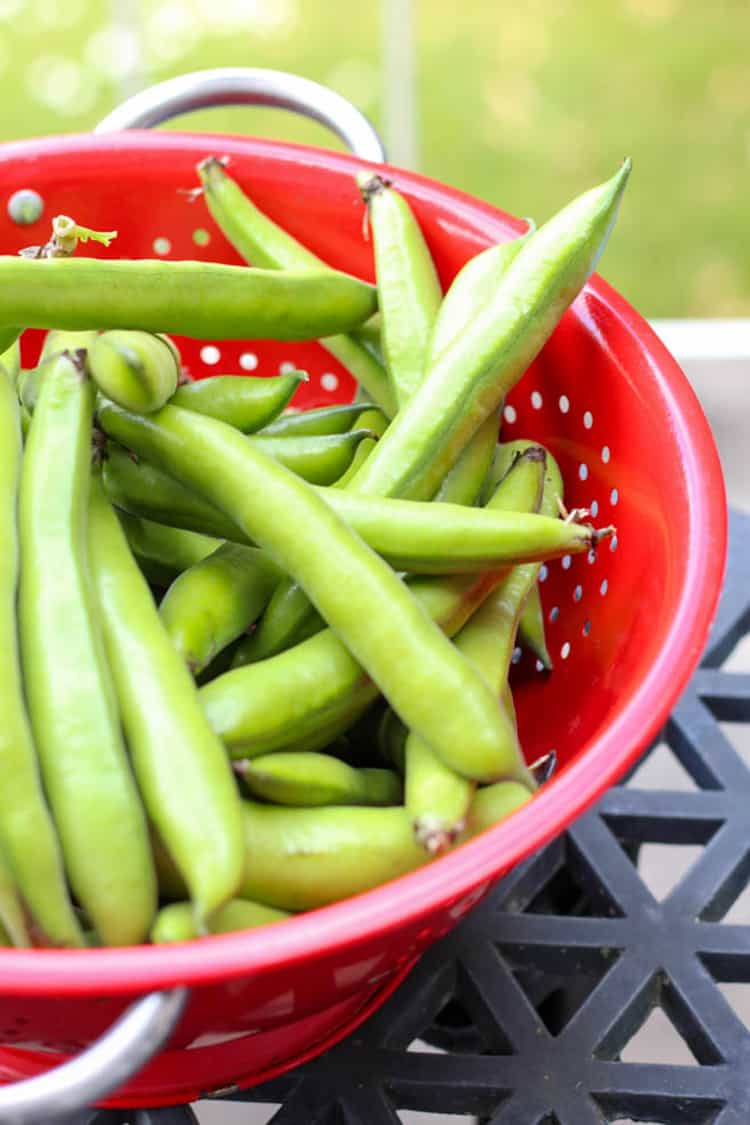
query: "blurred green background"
524, 105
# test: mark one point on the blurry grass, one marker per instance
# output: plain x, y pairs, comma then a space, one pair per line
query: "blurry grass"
523, 105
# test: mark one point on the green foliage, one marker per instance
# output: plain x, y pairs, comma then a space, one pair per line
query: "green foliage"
523, 105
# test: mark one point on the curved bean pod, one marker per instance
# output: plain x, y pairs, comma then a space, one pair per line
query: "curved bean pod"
27, 835
163, 553
308, 779
204, 300
531, 628
300, 859
262, 242
71, 698
246, 402
213, 602
328, 420
176, 921
317, 458
474, 373
138, 370
185, 779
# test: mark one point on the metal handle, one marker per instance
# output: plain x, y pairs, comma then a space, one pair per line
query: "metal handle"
100, 1069
247, 86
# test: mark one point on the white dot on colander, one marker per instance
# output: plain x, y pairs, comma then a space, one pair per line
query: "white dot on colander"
554, 613
539, 666
588, 420
564, 404
605, 454
287, 367
248, 361
578, 593
594, 508
329, 381
516, 655
586, 628
591, 556
543, 572
510, 414
604, 587
536, 400
565, 650
566, 561
614, 496
162, 246
613, 543
583, 471
210, 354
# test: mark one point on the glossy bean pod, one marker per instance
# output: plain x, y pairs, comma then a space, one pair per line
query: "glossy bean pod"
162, 552
469, 379
204, 300
246, 402
440, 695
414, 536
213, 602
24, 814
138, 370
300, 859
409, 292
326, 687
71, 699
437, 797
184, 779
317, 458
326, 420
261, 242
176, 920
308, 779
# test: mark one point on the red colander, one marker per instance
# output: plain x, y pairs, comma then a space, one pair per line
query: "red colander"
626, 627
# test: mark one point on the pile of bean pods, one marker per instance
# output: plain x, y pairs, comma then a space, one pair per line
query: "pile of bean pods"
255, 660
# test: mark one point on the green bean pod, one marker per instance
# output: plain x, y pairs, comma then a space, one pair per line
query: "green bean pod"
138, 370
376, 421
262, 242
473, 374
137, 488
414, 536
436, 797
306, 696
181, 768
287, 612
246, 402
531, 628
327, 420
54, 344
472, 287
245, 652
12, 915
71, 698
317, 458
300, 859
27, 835
163, 553
10, 360
308, 780
213, 602
204, 300
409, 292
176, 920
463, 483
492, 804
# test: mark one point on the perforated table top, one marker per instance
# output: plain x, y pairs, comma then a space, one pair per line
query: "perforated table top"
523, 1015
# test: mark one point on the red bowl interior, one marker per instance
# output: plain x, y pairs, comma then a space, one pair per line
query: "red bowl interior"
626, 627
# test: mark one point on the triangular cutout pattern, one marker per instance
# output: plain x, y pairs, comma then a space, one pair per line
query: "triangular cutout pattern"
455, 1030
738, 736
737, 995
556, 1001
415, 1117
574, 889
662, 769
738, 659
663, 866
658, 1041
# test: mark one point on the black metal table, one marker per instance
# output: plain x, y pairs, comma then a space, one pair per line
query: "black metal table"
534, 998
